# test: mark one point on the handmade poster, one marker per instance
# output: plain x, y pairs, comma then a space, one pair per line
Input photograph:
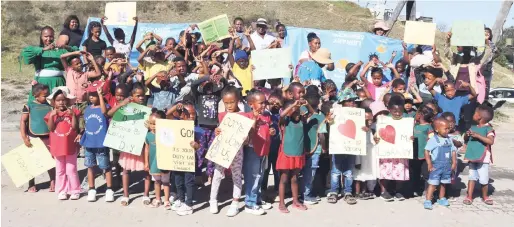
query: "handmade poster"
24, 163
120, 13
395, 137
468, 33
419, 32
346, 134
127, 131
271, 63
234, 130
173, 141
214, 29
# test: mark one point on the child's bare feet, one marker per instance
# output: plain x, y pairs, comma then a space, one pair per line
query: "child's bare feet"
32, 189
52, 186
282, 208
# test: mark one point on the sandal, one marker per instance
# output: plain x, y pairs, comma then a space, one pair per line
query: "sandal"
349, 199
283, 209
32, 189
332, 198
488, 201
124, 201
155, 203
167, 205
468, 201
146, 200
299, 206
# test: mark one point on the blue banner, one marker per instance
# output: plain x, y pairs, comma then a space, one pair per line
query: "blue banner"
345, 46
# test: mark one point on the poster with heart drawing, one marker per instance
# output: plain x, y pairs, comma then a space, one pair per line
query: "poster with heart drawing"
346, 134
395, 137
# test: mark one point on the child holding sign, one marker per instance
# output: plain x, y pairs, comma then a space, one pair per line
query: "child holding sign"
422, 132
63, 125
32, 126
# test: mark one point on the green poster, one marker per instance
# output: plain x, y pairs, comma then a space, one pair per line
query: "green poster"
127, 129
214, 29
468, 33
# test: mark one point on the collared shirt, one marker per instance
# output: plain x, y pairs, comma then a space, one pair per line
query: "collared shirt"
262, 43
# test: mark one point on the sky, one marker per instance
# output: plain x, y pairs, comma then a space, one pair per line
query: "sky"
448, 11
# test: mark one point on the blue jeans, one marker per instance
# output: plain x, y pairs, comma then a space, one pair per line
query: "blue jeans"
309, 171
97, 157
253, 168
342, 164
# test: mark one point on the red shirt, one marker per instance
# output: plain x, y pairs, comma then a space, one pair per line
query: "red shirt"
61, 139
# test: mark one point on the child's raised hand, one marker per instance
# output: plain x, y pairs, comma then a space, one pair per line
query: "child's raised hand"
104, 18
179, 106
90, 57
390, 65
463, 83
366, 129
99, 90
272, 132
26, 141
126, 101
217, 131
194, 145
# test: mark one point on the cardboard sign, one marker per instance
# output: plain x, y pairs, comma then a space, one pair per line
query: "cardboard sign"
418, 32
271, 63
120, 13
127, 129
395, 137
468, 33
234, 130
214, 29
346, 134
174, 151
24, 163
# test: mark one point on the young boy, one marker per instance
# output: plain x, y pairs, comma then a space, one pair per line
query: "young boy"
441, 157
480, 138
449, 102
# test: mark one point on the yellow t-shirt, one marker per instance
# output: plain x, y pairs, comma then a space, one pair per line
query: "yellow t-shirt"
244, 76
152, 68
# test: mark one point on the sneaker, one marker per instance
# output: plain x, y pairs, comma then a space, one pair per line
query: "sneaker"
310, 201
75, 196
109, 195
387, 197
255, 210
185, 210
233, 209
369, 195
399, 197
266, 206
427, 204
443, 202
91, 195
213, 206
176, 206
361, 196
318, 198
62, 196
172, 198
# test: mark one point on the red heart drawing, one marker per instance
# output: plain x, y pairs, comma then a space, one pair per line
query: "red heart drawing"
388, 134
347, 129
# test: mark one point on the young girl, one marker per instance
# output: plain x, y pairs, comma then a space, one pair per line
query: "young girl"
367, 171
130, 162
63, 125
376, 86
92, 140
93, 44
230, 97
291, 157
32, 126
422, 132
274, 105
160, 178
76, 79
393, 169
120, 93
119, 38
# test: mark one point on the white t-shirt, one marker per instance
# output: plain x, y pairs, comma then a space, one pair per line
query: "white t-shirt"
262, 43
187, 88
122, 48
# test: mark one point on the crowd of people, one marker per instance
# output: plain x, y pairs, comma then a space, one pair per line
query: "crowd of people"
79, 86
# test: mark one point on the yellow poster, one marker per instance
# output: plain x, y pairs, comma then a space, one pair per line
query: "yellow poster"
173, 141
346, 134
234, 130
418, 32
395, 137
24, 163
120, 13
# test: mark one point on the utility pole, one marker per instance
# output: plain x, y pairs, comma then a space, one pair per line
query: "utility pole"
411, 11
390, 22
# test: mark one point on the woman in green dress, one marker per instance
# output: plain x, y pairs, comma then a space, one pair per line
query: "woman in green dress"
46, 60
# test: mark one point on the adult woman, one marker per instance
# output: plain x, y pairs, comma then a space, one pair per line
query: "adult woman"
380, 28
282, 33
314, 45
71, 34
487, 67
46, 60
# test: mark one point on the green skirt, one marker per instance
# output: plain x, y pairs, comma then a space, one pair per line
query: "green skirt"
51, 82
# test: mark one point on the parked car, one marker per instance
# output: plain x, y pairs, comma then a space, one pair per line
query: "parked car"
501, 93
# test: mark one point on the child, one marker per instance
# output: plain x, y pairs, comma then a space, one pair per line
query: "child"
62, 123
92, 140
160, 177
32, 126
430, 75
291, 157
275, 102
185, 180
479, 139
130, 162
295, 91
314, 136
449, 102
230, 96
441, 158
93, 44
454, 134
393, 169
119, 38
165, 94
76, 79
366, 167
376, 86
422, 132
256, 152
120, 94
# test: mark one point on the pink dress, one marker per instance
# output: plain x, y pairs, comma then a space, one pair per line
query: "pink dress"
132, 162
394, 169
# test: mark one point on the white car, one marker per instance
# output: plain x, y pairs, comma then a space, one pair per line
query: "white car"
501, 93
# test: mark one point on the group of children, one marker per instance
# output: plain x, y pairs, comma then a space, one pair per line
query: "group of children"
191, 81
